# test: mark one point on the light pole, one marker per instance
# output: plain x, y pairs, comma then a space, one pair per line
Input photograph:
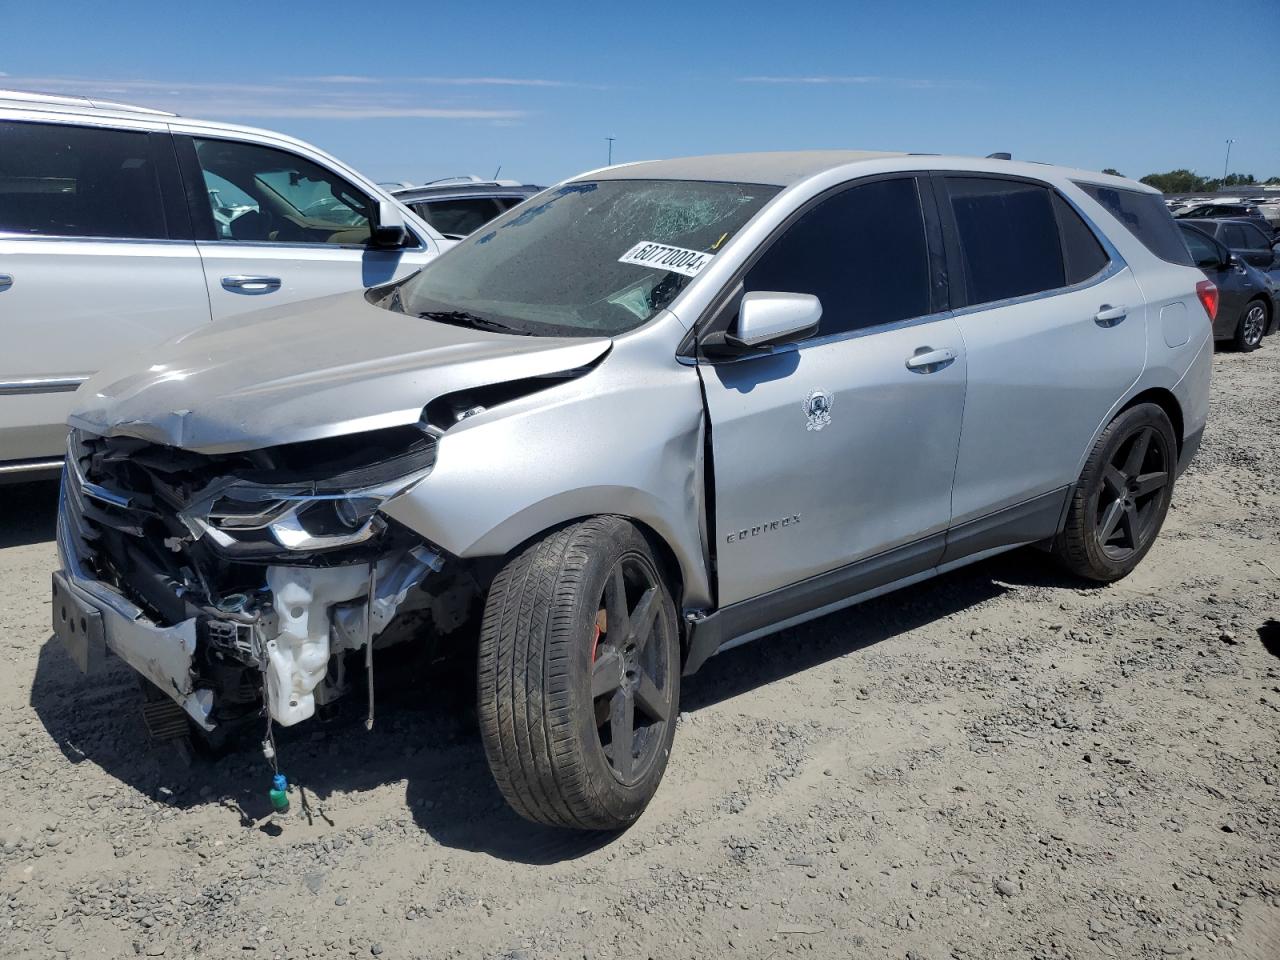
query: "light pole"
610, 139
1227, 162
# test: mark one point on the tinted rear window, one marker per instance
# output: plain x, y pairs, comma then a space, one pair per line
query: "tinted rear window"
58, 180
1146, 217
1008, 238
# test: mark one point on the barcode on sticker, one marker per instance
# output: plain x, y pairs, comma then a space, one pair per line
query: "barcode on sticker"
662, 257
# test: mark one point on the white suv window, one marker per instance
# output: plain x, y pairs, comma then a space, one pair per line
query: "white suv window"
59, 180
262, 195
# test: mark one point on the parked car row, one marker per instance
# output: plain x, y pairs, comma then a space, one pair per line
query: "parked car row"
1263, 211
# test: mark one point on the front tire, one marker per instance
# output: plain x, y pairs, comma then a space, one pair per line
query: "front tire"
1252, 326
579, 676
1120, 501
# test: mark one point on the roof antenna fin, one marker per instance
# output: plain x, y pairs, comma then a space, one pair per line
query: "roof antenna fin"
999, 156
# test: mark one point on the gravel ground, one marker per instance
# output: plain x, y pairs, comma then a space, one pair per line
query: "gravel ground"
996, 764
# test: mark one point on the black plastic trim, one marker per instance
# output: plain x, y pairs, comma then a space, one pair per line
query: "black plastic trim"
197, 194
172, 194
1032, 520
710, 633
1026, 522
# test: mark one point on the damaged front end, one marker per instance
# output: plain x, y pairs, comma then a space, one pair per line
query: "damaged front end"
234, 581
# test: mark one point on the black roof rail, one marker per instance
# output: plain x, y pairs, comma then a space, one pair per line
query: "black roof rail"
999, 156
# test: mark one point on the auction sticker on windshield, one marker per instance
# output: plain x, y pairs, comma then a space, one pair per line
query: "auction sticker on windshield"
662, 257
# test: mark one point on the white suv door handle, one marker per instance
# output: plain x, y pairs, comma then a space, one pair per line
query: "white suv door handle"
6, 281
243, 284
1109, 316
928, 360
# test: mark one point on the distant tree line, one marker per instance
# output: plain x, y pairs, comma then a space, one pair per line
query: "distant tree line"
1185, 181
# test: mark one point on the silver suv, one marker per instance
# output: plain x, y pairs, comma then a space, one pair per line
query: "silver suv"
656, 411
121, 227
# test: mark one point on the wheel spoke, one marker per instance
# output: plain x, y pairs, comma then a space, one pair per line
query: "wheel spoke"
1137, 454
642, 617
1110, 520
621, 717
1150, 483
1115, 480
1129, 523
649, 698
606, 672
615, 602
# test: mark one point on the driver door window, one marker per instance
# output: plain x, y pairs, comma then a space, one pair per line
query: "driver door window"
862, 252
257, 194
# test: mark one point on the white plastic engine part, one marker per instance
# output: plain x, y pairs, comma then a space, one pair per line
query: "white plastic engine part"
298, 655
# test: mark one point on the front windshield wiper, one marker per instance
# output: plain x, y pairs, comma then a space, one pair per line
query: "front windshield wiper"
463, 318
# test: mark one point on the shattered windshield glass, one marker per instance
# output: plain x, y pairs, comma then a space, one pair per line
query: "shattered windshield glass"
592, 258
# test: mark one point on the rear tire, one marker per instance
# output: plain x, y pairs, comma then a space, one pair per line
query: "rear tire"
1120, 501
579, 676
1252, 326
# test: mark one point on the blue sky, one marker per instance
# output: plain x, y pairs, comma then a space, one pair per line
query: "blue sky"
422, 90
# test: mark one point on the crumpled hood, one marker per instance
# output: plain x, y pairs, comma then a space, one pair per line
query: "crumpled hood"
308, 370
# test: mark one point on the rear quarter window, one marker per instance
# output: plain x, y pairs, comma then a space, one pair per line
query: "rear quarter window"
1146, 217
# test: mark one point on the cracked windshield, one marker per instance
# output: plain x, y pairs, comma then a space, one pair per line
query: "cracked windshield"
585, 259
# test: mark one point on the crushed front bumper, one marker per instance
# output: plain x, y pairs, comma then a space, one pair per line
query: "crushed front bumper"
161, 654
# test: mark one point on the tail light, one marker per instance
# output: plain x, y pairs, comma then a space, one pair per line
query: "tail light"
1207, 291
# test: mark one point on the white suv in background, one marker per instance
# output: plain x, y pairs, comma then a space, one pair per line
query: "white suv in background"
121, 227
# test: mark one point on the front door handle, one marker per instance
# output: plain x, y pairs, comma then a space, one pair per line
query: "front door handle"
928, 360
6, 281
243, 284
1109, 316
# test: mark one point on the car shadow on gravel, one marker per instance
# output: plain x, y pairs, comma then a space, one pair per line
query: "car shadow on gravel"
28, 513
855, 628
425, 736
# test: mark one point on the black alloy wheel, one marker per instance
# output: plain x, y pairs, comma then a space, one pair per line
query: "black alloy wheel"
579, 676
1133, 481
1120, 501
629, 673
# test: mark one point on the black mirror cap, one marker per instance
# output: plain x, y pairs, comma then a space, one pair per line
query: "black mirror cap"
389, 237
722, 345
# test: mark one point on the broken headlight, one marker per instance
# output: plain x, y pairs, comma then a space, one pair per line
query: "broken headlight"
293, 517
310, 496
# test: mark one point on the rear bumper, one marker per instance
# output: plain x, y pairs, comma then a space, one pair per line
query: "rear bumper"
161, 654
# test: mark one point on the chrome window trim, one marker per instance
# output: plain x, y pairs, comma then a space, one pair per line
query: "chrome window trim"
58, 237
30, 385
292, 245
1114, 267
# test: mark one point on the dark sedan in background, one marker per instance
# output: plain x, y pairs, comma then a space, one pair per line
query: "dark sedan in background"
1248, 239
1247, 297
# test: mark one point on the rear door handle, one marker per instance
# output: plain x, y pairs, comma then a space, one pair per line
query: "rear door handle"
928, 360
6, 281
243, 284
1109, 316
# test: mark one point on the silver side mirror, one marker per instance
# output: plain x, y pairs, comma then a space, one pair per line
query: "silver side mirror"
765, 317
389, 229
